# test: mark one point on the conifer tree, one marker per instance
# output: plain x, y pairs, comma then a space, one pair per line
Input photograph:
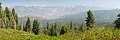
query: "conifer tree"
14, 20
53, 31
55, 26
8, 13
28, 25
15, 15
36, 26
71, 25
0, 5
81, 27
48, 25
9, 17
64, 29
0, 11
48, 28
2, 17
7, 23
90, 21
117, 22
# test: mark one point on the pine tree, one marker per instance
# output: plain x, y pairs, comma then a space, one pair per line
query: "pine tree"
7, 23
71, 25
0, 5
64, 29
9, 17
81, 27
2, 17
28, 25
117, 22
8, 13
14, 20
90, 21
55, 26
36, 26
0, 11
48, 25
53, 31
15, 15
48, 28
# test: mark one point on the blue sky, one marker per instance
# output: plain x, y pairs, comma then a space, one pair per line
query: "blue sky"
99, 3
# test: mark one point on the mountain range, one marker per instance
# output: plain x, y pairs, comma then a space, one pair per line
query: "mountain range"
66, 13
51, 12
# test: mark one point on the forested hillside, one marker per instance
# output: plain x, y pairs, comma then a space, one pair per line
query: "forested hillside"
11, 28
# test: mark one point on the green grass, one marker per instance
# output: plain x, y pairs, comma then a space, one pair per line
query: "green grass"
92, 34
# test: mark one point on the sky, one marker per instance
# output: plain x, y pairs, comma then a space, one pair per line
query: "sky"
97, 3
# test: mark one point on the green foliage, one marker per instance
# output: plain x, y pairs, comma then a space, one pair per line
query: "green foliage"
15, 19
90, 21
71, 25
117, 22
28, 25
0, 5
36, 26
2, 17
9, 17
92, 34
8, 13
64, 29
48, 25
15, 15
53, 31
81, 27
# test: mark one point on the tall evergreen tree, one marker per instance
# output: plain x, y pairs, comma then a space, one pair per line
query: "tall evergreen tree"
28, 25
9, 17
48, 28
53, 31
55, 25
8, 13
48, 25
81, 28
13, 12
15, 15
0, 10
117, 22
64, 29
0, 5
71, 25
90, 21
36, 26
15, 21
2, 17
